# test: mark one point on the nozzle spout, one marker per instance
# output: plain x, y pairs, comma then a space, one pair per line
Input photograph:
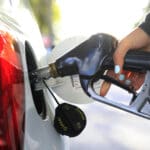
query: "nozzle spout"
44, 73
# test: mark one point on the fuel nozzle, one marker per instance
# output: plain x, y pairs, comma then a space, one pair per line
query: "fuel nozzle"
90, 60
85, 59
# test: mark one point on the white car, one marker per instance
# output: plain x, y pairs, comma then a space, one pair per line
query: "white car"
24, 123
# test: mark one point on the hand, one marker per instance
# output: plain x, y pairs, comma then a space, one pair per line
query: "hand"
131, 79
137, 39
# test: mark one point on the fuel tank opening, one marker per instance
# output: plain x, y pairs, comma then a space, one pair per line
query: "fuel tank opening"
38, 96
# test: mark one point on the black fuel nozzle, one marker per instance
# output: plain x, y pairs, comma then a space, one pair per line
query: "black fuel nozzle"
85, 59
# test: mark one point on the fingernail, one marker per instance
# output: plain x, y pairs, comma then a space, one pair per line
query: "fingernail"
117, 69
128, 82
121, 77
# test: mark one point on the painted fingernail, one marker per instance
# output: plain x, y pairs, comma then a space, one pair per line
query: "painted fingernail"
117, 69
121, 77
128, 82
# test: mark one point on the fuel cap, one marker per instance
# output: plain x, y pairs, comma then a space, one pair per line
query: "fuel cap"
69, 120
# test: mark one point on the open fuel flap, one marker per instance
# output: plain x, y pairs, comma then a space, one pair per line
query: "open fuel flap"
38, 96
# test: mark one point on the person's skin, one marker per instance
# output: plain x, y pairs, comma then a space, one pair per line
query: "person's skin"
137, 39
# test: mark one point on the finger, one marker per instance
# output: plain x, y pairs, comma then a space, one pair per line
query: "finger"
118, 62
118, 58
137, 79
106, 85
104, 88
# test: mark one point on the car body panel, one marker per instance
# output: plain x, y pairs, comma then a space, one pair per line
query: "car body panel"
16, 17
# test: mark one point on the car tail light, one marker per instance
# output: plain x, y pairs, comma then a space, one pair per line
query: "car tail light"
11, 94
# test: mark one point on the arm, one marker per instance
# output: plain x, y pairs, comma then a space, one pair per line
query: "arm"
145, 26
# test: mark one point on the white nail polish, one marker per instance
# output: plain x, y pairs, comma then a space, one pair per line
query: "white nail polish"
128, 82
121, 77
117, 69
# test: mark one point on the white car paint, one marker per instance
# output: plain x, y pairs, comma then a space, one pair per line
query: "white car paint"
39, 133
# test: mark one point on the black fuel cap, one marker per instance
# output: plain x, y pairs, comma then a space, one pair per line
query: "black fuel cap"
69, 120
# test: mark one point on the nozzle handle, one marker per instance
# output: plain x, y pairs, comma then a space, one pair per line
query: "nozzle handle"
137, 60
